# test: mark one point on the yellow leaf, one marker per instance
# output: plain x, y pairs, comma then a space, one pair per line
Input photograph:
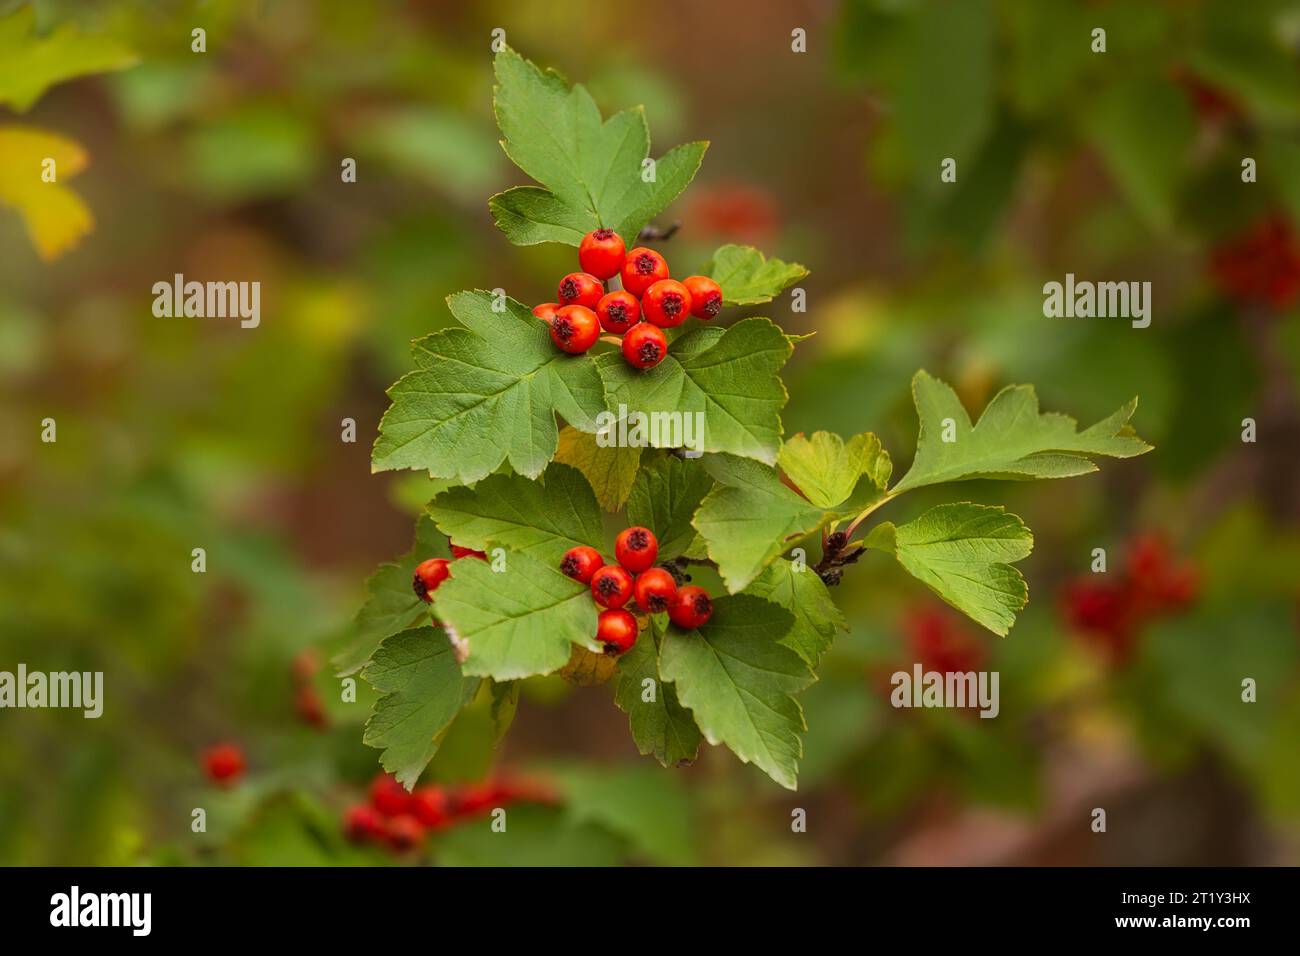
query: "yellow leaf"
56, 217
610, 471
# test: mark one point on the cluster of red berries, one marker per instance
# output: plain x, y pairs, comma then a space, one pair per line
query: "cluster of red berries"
1262, 266
224, 764
401, 821
648, 302
433, 571
1111, 612
634, 577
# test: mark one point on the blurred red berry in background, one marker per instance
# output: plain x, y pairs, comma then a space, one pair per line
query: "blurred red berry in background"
388, 796
224, 763
735, 212
941, 642
1260, 266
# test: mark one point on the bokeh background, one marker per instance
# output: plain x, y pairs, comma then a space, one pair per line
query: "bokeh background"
1116, 692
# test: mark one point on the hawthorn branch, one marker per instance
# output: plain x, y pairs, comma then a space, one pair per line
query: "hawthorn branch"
836, 555
652, 233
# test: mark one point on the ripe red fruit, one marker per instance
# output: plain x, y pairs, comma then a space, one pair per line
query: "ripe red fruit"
602, 253
941, 641
645, 345
579, 288
546, 311
362, 823
617, 630
575, 329
706, 296
581, 563
611, 586
404, 833
691, 608
636, 548
618, 312
224, 763
667, 303
310, 707
429, 806
643, 268
654, 590
388, 796
428, 575
476, 798
458, 552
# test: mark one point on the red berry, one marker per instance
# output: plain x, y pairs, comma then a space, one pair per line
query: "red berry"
310, 707
305, 665
429, 806
581, 563
428, 575
475, 799
643, 268
546, 311
602, 253
618, 312
575, 328
404, 833
617, 630
645, 345
654, 590
706, 296
458, 552
579, 288
224, 763
362, 823
611, 586
691, 608
388, 796
636, 548
667, 303
941, 642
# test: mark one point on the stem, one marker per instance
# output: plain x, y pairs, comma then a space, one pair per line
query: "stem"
653, 233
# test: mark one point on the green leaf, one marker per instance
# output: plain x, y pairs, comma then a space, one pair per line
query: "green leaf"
730, 376
747, 277
423, 690
29, 65
610, 471
747, 520
518, 622
485, 395
391, 604
739, 680
1011, 440
648, 808
827, 471
752, 516
539, 518
591, 168
505, 702
664, 498
964, 552
660, 726
817, 620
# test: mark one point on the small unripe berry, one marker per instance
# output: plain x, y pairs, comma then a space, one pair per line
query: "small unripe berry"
645, 345
618, 312
362, 823
611, 586
706, 296
579, 288
224, 763
404, 833
636, 548
428, 575
667, 303
691, 608
546, 311
575, 329
602, 253
654, 590
617, 630
581, 563
642, 269
388, 796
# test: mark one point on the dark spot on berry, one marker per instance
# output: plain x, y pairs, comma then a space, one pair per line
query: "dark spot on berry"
417, 585
568, 289
713, 305
645, 264
638, 540
649, 352
658, 603
569, 566
672, 304
603, 234
618, 313
563, 328
702, 605
611, 649
606, 585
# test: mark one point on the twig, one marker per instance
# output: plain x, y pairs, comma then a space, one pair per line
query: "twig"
653, 233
